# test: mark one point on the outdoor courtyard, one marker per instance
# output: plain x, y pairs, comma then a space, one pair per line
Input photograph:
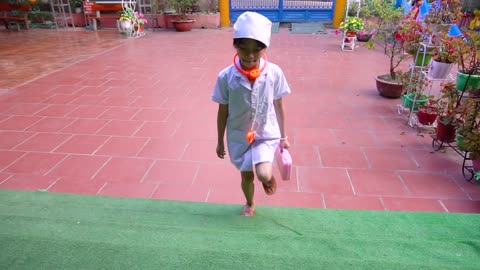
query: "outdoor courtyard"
97, 113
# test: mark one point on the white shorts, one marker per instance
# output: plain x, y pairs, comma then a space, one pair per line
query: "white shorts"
257, 152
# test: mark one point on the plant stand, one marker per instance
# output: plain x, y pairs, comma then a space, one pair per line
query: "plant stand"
133, 29
62, 13
348, 42
468, 171
423, 69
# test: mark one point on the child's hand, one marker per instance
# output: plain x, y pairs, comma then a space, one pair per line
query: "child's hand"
284, 144
221, 150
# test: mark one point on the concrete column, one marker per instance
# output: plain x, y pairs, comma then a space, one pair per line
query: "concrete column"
224, 8
339, 12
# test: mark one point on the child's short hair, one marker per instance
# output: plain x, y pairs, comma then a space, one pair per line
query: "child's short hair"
238, 41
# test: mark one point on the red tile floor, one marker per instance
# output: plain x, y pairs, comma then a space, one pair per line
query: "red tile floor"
95, 113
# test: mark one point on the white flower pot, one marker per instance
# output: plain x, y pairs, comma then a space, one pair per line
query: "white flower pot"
126, 25
439, 70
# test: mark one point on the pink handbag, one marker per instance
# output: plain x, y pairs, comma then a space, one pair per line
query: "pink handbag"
284, 163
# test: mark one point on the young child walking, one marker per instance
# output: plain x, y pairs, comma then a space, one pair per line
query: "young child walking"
251, 109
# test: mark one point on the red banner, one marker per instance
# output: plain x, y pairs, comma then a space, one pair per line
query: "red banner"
88, 8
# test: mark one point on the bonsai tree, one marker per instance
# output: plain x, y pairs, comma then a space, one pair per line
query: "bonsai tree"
387, 36
182, 8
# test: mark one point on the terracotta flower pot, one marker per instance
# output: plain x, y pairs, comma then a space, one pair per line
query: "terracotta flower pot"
351, 34
388, 88
183, 25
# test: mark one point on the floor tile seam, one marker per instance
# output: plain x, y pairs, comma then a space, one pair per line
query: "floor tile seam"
94, 175
70, 64
138, 128
195, 175
443, 206
14, 161
6, 179
149, 139
22, 142
459, 186
389, 210
51, 151
153, 191
350, 182
53, 183
56, 165
147, 171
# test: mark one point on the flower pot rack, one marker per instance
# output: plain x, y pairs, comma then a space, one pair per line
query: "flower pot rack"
468, 171
348, 40
419, 65
131, 29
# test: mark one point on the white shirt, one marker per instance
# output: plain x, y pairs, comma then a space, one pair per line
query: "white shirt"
247, 103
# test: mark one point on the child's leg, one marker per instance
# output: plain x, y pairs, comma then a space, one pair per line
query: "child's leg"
265, 175
248, 190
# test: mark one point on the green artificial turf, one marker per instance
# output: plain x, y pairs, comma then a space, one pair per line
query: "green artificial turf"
41, 230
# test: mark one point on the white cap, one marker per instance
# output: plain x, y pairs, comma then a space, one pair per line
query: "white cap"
253, 25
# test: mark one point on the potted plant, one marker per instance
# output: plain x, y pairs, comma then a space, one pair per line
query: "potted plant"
139, 21
442, 14
468, 118
182, 23
388, 85
412, 33
352, 25
367, 33
77, 5
468, 60
471, 144
444, 56
127, 17
446, 106
427, 114
413, 91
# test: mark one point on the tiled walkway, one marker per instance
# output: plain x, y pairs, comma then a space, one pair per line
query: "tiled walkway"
134, 118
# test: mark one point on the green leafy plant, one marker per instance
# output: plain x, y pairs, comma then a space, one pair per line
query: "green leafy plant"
447, 103
76, 3
127, 15
412, 32
352, 24
467, 52
444, 50
468, 118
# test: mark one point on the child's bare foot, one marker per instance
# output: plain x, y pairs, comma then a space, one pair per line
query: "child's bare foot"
248, 210
271, 187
